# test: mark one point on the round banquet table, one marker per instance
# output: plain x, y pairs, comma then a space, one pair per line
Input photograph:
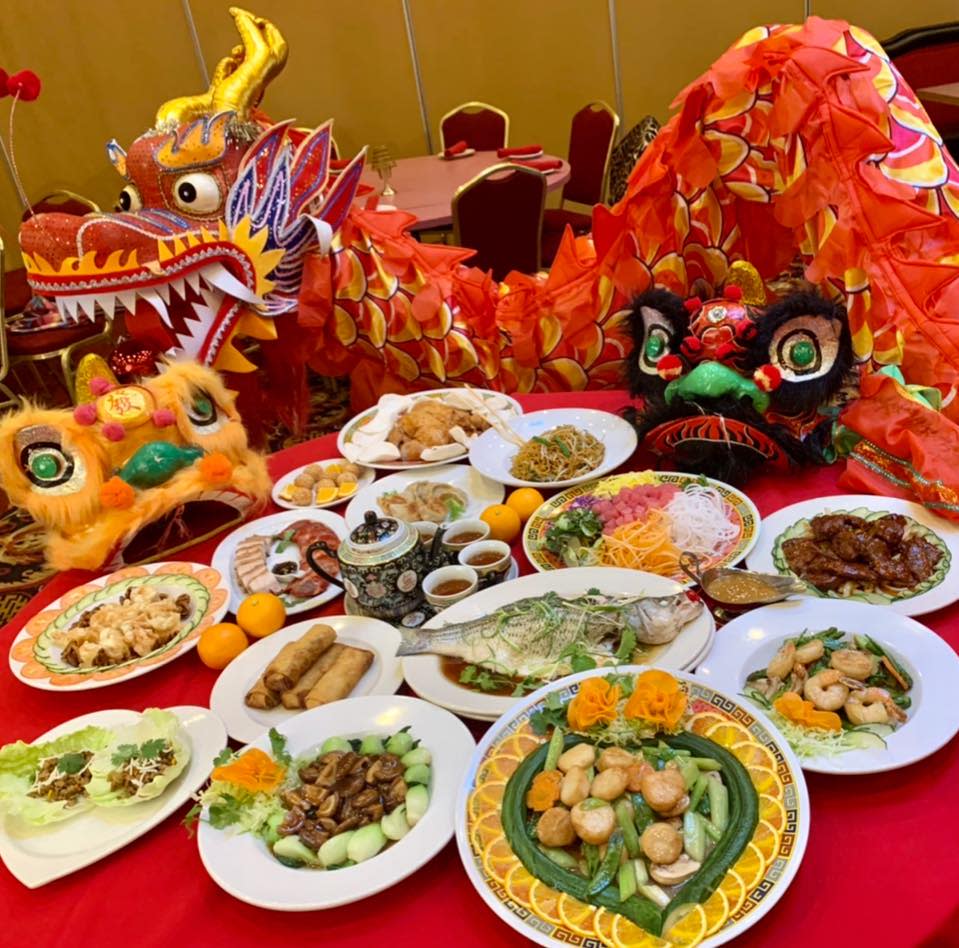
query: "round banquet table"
880, 868
425, 185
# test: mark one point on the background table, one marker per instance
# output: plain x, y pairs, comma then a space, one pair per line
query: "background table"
425, 185
947, 93
880, 868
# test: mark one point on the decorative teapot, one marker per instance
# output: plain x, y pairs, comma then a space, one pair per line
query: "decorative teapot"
382, 565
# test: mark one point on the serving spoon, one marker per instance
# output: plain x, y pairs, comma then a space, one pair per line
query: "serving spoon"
780, 587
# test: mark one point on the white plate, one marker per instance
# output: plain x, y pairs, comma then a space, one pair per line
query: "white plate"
529, 156
465, 153
346, 432
492, 454
751, 640
943, 594
35, 659
760, 899
480, 491
245, 724
274, 525
424, 673
366, 477
38, 855
241, 865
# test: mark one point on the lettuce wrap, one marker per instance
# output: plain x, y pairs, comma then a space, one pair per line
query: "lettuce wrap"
141, 760
46, 782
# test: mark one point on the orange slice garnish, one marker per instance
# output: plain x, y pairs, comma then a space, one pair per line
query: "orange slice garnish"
519, 884
627, 934
485, 829
544, 901
690, 930
700, 723
766, 840
487, 796
734, 889
751, 752
499, 858
716, 908
772, 811
751, 865
728, 733
577, 916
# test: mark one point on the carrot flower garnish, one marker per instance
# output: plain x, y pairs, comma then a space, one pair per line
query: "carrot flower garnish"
595, 703
657, 698
254, 770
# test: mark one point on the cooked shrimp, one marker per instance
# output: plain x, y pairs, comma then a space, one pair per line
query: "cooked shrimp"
872, 706
810, 652
854, 663
826, 690
797, 679
782, 662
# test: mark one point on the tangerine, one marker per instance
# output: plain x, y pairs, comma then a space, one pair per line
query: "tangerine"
220, 644
261, 615
525, 501
504, 522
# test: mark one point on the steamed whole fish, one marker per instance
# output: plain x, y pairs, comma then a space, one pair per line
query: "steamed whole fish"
538, 636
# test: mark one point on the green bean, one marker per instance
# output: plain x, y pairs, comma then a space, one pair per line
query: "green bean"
714, 834
698, 791
609, 866
591, 856
555, 749
694, 835
689, 770
624, 816
627, 881
642, 812
718, 804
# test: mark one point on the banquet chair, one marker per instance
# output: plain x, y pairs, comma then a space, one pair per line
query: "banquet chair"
929, 56
591, 138
483, 127
499, 214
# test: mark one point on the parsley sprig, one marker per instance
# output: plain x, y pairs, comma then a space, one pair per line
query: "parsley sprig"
148, 750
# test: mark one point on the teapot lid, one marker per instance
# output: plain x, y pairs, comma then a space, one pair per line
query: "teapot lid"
377, 534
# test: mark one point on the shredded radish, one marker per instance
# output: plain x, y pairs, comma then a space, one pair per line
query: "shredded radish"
701, 521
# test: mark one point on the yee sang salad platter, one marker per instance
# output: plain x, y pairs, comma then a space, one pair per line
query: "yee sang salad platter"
632, 808
643, 521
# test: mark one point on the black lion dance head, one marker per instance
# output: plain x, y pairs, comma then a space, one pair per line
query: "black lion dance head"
729, 384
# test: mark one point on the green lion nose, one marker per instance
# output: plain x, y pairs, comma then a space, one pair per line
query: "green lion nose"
155, 463
714, 380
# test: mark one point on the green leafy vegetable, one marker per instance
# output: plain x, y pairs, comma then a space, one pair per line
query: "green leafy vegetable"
71, 763
223, 757
278, 747
286, 539
573, 535
148, 750
552, 715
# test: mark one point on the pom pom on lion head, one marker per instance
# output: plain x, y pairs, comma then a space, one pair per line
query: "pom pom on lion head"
137, 472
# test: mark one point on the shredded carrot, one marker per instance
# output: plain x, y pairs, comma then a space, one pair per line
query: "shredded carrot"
644, 544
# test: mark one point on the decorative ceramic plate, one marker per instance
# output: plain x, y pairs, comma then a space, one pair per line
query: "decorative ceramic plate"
480, 491
751, 640
38, 855
940, 589
435, 679
366, 477
492, 454
742, 513
275, 525
383, 677
35, 656
505, 403
747, 892
241, 865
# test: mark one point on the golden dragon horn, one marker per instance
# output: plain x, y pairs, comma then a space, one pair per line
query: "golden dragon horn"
239, 78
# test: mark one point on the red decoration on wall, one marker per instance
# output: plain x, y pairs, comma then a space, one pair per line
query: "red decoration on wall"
24, 84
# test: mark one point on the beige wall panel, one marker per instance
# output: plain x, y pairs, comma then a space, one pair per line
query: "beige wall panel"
347, 61
539, 60
665, 44
885, 18
105, 67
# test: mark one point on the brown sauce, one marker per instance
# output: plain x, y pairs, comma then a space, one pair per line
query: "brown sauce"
452, 668
451, 587
486, 558
741, 589
461, 539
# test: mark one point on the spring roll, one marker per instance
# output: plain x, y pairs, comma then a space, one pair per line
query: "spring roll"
259, 696
296, 657
341, 677
294, 698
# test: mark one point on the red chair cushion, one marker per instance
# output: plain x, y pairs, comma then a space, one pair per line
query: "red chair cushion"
483, 129
590, 137
499, 217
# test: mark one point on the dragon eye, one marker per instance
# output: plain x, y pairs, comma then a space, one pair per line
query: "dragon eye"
46, 463
204, 413
805, 347
197, 193
129, 199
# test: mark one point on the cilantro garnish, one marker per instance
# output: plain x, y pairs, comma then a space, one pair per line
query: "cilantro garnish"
552, 714
278, 747
627, 645
223, 757
148, 750
71, 763
490, 681
191, 818
225, 812
579, 659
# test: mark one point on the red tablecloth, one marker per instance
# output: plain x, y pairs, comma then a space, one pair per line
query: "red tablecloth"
881, 868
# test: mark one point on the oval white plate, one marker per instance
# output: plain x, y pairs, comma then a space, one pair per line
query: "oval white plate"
480, 491
346, 432
38, 664
37, 855
424, 673
759, 901
751, 640
944, 594
241, 864
492, 454
366, 477
246, 724
274, 525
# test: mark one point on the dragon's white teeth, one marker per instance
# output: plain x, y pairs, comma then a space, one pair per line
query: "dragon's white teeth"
70, 305
193, 280
163, 290
153, 298
190, 340
62, 308
212, 298
217, 275
178, 285
88, 304
107, 303
129, 300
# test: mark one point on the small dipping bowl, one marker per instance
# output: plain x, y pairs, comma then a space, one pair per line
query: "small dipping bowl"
461, 534
487, 557
426, 529
449, 584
